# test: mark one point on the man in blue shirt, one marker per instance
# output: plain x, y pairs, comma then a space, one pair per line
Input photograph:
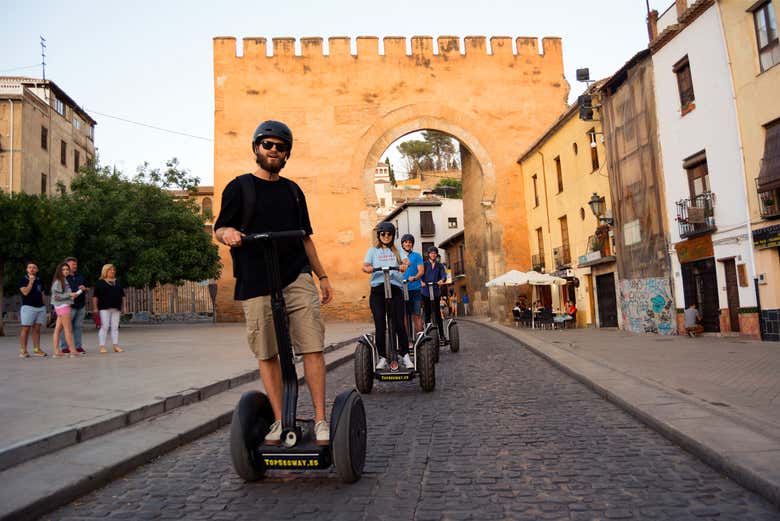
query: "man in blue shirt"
33, 312
434, 277
77, 309
414, 272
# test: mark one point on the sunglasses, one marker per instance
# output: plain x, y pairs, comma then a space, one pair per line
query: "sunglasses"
268, 145
388, 234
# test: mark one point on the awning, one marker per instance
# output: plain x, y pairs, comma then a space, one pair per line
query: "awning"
769, 175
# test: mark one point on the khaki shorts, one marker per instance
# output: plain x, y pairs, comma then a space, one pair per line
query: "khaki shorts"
307, 329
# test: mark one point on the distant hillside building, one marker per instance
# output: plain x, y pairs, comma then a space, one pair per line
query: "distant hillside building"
44, 136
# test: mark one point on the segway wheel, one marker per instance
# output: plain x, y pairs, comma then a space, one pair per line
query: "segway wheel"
348, 447
364, 368
252, 418
435, 340
427, 366
454, 338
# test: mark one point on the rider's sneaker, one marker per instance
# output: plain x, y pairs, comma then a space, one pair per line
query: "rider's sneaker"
382, 364
322, 432
408, 364
274, 436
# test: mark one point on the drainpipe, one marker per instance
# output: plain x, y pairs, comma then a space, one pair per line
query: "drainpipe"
11, 160
758, 307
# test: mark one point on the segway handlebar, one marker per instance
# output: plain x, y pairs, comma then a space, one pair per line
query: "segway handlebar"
386, 271
290, 234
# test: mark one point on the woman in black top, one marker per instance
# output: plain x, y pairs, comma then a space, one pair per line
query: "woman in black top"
109, 299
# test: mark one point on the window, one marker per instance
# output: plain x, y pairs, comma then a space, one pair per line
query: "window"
559, 173
540, 245
698, 178
766, 35
452, 222
92, 132
425, 247
427, 228
208, 209
575, 148
594, 151
76, 161
536, 192
63, 153
631, 233
76, 123
43, 183
565, 239
684, 85
44, 138
768, 182
59, 106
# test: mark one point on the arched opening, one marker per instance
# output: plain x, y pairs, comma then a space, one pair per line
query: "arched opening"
479, 255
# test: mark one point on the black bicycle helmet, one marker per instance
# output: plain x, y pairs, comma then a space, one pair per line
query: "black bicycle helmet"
275, 129
385, 227
407, 237
432, 249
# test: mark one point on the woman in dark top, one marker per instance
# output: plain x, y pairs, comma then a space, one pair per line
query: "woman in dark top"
109, 299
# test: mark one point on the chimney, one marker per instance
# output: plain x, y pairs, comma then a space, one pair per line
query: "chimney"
682, 6
652, 25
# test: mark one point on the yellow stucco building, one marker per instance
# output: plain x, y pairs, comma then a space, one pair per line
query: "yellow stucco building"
562, 171
751, 33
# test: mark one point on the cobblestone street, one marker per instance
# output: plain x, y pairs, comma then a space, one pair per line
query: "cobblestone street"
503, 436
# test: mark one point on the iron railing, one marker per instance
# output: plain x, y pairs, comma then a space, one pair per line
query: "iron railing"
696, 215
769, 203
537, 262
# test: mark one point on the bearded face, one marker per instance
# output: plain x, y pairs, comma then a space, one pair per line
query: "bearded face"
272, 165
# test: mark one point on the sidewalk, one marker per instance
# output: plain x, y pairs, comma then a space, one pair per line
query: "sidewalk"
717, 397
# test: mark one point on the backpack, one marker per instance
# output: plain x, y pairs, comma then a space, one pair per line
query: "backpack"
249, 200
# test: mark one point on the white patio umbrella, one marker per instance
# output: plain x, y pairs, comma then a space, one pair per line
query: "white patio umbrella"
510, 278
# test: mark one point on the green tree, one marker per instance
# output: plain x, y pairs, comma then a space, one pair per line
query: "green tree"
449, 188
442, 148
35, 228
173, 176
416, 154
392, 172
151, 237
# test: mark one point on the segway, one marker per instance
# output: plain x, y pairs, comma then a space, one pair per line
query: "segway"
367, 353
408, 316
451, 334
253, 415
431, 329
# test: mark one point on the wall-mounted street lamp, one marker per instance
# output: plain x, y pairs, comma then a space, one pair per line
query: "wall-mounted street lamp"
599, 206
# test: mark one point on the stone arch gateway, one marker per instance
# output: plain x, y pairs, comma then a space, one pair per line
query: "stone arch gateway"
345, 109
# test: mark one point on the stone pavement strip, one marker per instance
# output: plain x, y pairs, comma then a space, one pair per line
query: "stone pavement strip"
717, 397
70, 425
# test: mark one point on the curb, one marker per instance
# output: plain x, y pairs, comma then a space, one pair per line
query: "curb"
147, 439
26, 450
747, 476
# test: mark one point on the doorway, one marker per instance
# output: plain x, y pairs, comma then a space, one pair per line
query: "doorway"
700, 287
732, 293
605, 292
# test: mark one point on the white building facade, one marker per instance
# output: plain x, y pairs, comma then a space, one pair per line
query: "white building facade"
430, 220
705, 194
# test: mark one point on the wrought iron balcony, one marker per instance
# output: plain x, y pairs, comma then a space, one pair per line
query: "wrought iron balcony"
562, 256
696, 215
537, 262
769, 203
457, 268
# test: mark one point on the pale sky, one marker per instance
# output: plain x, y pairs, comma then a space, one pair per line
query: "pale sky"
151, 62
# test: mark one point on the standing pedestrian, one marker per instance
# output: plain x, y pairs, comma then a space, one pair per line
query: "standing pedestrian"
278, 204
33, 312
78, 309
465, 300
109, 300
62, 298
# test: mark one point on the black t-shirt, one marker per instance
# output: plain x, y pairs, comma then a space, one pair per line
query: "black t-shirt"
35, 297
276, 210
109, 296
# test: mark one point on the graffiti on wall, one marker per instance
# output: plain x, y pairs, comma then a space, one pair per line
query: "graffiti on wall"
646, 305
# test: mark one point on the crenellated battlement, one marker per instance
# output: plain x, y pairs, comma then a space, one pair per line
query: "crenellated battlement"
368, 47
